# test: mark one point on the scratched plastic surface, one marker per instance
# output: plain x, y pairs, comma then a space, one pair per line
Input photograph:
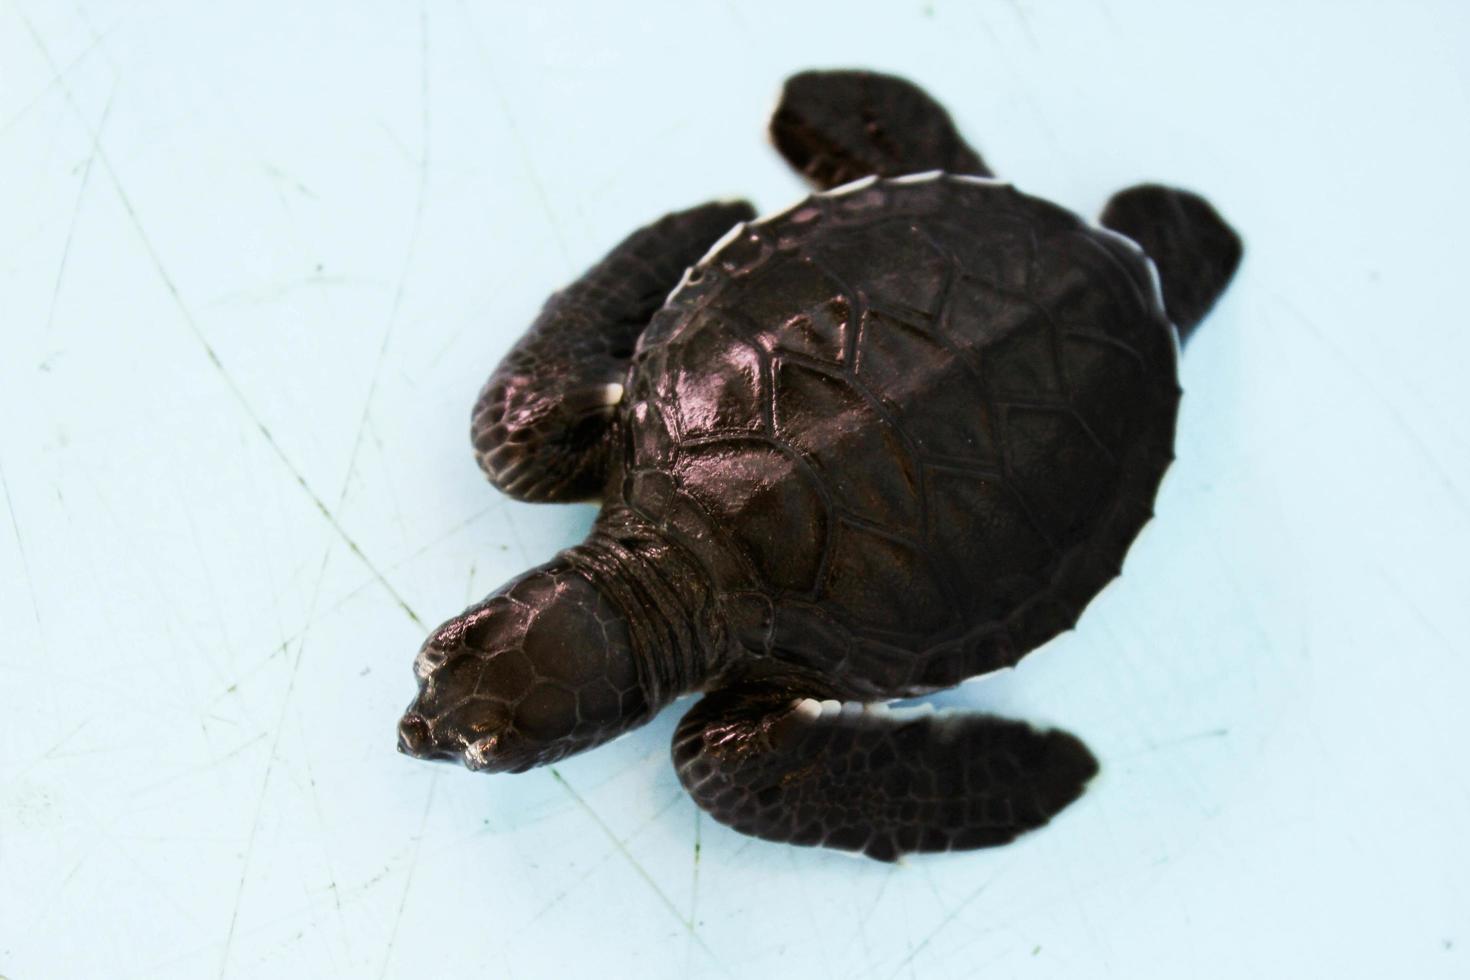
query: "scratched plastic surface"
254, 266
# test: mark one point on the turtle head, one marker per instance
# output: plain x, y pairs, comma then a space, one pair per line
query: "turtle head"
539, 670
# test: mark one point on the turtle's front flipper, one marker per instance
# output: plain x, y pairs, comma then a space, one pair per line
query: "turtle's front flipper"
1193, 248
885, 782
837, 126
540, 425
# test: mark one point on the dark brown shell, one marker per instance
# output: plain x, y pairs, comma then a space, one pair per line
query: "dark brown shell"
911, 426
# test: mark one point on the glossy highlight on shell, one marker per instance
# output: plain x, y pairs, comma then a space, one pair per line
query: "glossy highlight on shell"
892, 437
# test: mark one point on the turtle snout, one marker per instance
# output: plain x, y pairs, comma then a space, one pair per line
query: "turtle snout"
475, 734
416, 738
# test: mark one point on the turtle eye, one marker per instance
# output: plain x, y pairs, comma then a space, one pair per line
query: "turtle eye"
480, 754
477, 720
430, 658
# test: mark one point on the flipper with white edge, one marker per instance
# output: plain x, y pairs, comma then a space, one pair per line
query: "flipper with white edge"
541, 422
884, 782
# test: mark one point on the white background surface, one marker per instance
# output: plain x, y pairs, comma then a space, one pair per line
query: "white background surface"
255, 260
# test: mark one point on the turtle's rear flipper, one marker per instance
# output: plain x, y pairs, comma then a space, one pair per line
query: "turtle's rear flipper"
540, 425
1193, 248
870, 779
837, 126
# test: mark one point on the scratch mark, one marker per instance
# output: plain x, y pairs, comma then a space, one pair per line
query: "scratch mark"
448, 533
214, 603
76, 211
413, 863
794, 864
387, 476
244, 676
280, 290
405, 560
862, 922
265, 782
271, 758
1100, 950
321, 822
370, 883
322, 507
409, 252
51, 902
1266, 637
693, 893
995, 42
214, 359
628, 855
51, 752
515, 536
25, 563
280, 175
532, 174
47, 756
1418, 611
145, 571
1020, 11
270, 764
933, 888
142, 873
313, 617
448, 344
59, 74
941, 926
1386, 404
1060, 148
741, 24
212, 763
1152, 746
594, 866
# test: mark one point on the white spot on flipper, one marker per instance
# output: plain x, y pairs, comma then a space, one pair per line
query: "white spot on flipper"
901, 714
866, 711
854, 855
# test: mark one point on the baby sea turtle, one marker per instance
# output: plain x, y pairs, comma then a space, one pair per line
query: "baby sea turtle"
886, 440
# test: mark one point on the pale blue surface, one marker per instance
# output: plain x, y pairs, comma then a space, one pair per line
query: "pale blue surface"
254, 263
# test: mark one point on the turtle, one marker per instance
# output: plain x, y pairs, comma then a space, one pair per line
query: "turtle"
891, 438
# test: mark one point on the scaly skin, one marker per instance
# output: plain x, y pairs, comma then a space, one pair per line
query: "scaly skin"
893, 437
838, 126
540, 669
540, 425
864, 778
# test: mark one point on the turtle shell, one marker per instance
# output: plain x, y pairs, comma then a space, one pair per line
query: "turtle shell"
910, 426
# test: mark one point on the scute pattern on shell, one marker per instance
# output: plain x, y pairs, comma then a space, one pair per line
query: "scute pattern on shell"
911, 426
